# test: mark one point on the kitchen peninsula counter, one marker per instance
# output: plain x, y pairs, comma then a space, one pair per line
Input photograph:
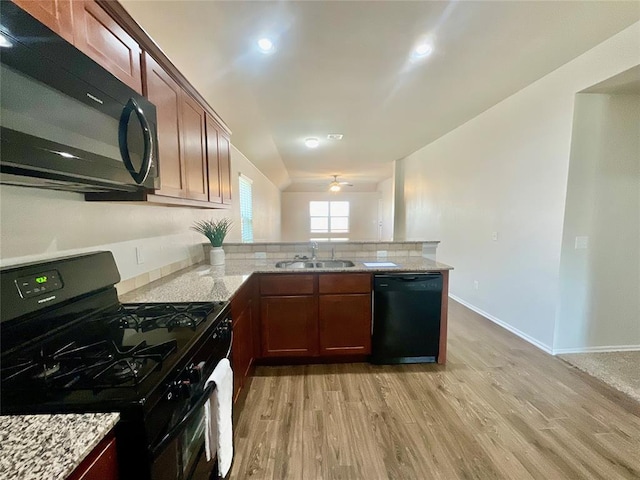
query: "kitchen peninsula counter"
49, 447
207, 283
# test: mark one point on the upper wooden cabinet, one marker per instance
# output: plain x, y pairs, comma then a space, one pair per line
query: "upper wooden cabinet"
213, 162
86, 25
189, 161
55, 14
102, 39
224, 157
193, 149
219, 163
165, 93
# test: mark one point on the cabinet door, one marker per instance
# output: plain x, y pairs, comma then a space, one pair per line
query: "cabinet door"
100, 464
345, 324
55, 14
344, 283
224, 158
289, 326
164, 92
213, 162
193, 149
242, 350
101, 38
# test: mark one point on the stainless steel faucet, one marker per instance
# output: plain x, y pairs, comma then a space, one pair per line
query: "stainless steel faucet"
314, 250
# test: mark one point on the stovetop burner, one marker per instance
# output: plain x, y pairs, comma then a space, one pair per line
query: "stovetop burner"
97, 365
118, 348
149, 316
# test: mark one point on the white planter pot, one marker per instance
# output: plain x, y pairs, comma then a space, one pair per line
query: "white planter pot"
216, 256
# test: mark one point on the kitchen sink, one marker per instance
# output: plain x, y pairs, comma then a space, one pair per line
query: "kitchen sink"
294, 264
315, 264
334, 264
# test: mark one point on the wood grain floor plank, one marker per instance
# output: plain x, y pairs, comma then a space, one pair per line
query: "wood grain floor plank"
499, 409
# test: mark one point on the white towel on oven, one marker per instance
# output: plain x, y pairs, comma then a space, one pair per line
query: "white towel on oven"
219, 432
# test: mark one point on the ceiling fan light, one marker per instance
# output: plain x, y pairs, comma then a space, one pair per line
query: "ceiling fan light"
312, 142
334, 187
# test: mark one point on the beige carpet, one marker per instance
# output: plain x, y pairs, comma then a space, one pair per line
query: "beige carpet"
621, 370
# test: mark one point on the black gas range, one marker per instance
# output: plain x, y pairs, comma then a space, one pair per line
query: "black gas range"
68, 345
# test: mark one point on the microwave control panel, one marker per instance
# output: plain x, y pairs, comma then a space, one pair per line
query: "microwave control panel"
39, 284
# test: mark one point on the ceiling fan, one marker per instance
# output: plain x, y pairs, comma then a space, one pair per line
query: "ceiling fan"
336, 186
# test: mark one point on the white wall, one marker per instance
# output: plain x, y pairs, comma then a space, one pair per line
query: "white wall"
505, 171
385, 210
600, 284
38, 224
363, 214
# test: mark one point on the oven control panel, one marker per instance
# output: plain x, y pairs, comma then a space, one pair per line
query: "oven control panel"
39, 284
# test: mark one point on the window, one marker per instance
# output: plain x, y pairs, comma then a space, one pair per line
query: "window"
329, 221
246, 209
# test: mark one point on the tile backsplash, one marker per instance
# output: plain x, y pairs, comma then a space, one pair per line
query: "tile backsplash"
342, 250
271, 250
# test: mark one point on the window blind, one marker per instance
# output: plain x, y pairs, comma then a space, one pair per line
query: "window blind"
246, 209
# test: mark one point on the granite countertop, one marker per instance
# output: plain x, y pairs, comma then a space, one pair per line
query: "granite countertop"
206, 283
49, 447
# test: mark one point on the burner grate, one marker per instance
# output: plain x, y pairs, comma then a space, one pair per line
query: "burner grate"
150, 316
97, 365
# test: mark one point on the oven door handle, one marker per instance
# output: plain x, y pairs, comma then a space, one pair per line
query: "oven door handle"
177, 429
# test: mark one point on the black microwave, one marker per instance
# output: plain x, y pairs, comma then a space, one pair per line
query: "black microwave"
66, 122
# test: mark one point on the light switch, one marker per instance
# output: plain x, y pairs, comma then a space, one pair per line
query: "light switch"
494, 236
139, 256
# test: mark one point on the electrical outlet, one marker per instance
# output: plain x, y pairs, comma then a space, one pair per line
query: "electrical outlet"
476, 285
381, 253
582, 243
494, 236
139, 256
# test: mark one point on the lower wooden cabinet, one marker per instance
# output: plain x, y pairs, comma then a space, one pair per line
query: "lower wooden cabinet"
242, 348
306, 315
345, 324
244, 318
100, 464
289, 326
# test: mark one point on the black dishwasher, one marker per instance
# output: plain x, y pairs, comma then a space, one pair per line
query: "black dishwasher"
406, 317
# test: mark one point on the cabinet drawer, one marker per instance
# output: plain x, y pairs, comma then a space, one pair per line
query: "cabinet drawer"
344, 283
283, 284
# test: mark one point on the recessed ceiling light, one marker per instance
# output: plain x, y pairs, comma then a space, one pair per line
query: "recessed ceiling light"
335, 136
266, 45
312, 142
5, 42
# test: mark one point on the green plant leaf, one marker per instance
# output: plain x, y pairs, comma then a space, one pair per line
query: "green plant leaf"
214, 230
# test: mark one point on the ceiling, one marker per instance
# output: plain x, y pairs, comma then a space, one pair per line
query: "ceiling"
343, 67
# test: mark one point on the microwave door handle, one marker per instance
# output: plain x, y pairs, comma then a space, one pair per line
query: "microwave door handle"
132, 106
177, 429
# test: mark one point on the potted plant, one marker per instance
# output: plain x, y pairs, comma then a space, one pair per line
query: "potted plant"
215, 231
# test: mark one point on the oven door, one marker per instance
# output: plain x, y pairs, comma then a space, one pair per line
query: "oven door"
182, 450
179, 454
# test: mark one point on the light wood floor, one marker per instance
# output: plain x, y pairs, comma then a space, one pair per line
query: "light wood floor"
500, 408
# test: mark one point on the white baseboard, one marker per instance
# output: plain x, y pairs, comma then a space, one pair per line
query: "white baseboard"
607, 348
505, 325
